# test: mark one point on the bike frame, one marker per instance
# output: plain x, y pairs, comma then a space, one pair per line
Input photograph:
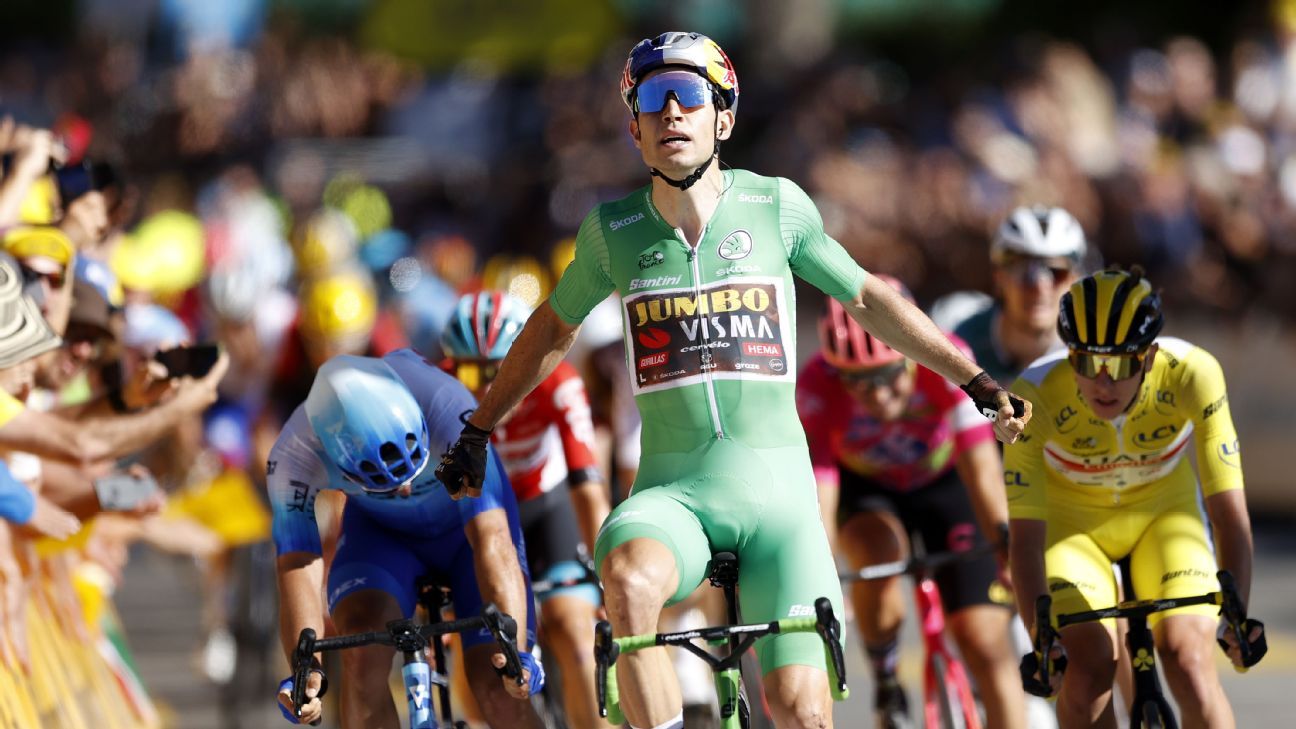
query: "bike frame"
931, 616
931, 620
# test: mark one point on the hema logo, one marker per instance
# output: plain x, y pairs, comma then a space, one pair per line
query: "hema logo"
623, 222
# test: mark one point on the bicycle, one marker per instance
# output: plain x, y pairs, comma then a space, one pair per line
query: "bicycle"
1149, 707
412, 641
735, 710
948, 699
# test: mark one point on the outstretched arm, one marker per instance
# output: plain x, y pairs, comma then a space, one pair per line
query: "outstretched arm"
539, 348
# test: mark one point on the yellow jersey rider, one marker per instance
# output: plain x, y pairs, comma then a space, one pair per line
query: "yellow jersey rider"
1101, 474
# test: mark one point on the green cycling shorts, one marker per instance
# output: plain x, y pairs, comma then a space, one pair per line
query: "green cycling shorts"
760, 504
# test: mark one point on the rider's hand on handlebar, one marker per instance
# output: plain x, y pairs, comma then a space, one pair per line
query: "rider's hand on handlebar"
463, 467
1229, 643
1030, 672
313, 710
533, 675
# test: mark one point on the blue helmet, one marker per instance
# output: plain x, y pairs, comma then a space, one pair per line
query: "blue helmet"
484, 325
368, 422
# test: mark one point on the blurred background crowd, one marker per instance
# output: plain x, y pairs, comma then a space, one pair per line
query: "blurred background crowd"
297, 178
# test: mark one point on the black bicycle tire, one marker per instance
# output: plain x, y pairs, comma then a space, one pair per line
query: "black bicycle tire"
947, 696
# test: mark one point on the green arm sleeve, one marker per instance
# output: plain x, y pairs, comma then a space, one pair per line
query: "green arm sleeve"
586, 282
1024, 475
1206, 399
812, 254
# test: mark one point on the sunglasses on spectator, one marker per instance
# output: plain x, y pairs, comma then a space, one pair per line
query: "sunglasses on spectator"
689, 89
55, 279
875, 377
1026, 271
476, 375
1118, 366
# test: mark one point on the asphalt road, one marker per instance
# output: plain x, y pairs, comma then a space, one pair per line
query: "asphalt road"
159, 605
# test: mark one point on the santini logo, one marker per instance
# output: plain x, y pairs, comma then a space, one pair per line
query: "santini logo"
762, 199
652, 283
623, 222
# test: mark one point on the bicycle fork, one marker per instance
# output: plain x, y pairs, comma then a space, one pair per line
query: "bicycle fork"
1147, 685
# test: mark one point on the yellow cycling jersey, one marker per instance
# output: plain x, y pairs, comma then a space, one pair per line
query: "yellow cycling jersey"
1070, 457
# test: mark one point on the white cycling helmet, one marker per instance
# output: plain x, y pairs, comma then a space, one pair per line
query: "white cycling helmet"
1039, 231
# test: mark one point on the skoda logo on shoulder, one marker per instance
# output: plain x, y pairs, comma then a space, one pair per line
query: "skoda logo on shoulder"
737, 245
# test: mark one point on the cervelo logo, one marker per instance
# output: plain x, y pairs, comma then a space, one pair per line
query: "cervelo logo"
623, 222
736, 269
760, 199
652, 283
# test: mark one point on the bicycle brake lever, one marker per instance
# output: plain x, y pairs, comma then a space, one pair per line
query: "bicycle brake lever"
605, 654
303, 654
830, 630
1240, 625
504, 629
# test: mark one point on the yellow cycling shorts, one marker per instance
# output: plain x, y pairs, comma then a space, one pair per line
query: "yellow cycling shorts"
1170, 554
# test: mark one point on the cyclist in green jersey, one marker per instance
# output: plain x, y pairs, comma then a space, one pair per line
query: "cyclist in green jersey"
703, 260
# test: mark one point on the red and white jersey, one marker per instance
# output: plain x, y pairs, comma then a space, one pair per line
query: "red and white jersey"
548, 436
906, 454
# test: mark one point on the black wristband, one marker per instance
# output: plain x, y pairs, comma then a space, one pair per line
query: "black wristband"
473, 434
982, 387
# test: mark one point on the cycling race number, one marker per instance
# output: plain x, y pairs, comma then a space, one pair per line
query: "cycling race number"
731, 329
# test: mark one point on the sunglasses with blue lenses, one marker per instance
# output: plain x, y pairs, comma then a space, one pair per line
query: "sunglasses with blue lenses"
690, 90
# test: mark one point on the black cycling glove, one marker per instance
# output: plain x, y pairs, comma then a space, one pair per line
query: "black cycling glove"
465, 463
983, 390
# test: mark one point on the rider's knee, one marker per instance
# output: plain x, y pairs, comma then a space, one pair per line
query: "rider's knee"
369, 664
1187, 654
806, 712
1089, 675
569, 626
632, 589
983, 636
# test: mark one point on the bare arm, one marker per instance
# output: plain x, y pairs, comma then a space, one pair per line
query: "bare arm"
885, 313
981, 470
48, 435
543, 343
1231, 525
591, 503
301, 602
499, 574
1026, 549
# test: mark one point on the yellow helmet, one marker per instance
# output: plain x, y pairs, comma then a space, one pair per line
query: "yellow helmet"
166, 254
338, 307
1110, 312
323, 244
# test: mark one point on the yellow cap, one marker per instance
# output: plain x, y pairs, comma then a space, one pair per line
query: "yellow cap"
165, 255
39, 241
338, 307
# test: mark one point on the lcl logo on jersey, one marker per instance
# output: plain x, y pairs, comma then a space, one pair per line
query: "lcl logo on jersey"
736, 245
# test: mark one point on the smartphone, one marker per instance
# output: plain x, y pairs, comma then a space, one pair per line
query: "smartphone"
124, 491
194, 360
73, 181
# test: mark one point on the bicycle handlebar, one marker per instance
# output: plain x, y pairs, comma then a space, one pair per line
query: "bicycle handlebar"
1227, 598
405, 636
607, 649
917, 565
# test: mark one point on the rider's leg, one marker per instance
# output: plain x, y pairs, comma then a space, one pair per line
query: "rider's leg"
798, 697
502, 710
982, 635
1086, 696
873, 537
366, 699
1186, 645
639, 576
565, 623
1174, 559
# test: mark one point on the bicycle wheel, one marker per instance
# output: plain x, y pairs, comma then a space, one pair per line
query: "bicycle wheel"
947, 696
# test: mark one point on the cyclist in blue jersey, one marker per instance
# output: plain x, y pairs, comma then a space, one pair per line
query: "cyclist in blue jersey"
365, 429
704, 260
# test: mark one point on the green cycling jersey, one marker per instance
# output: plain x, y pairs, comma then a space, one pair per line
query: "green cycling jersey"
710, 331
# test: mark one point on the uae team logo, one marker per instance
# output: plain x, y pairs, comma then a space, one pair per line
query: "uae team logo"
737, 245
